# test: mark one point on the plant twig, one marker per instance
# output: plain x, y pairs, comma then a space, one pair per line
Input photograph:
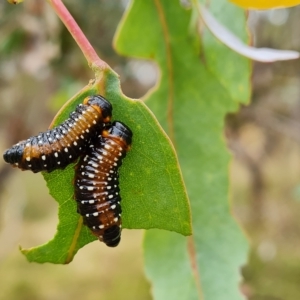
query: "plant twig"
94, 62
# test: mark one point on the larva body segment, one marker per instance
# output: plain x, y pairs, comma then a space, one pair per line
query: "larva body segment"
58, 147
97, 183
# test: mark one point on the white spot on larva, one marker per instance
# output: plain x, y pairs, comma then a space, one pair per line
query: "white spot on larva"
70, 156
116, 219
58, 162
27, 145
87, 215
109, 178
82, 137
117, 193
43, 157
75, 144
87, 130
107, 147
94, 122
101, 226
82, 173
95, 165
120, 226
91, 176
91, 201
104, 152
108, 187
90, 188
64, 132
16, 164
115, 164
113, 206
110, 196
95, 214
57, 136
120, 154
81, 187
40, 142
55, 154
45, 165
29, 166
82, 131
50, 139
66, 149
28, 158
116, 159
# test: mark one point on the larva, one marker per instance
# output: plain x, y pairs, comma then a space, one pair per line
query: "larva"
58, 147
97, 183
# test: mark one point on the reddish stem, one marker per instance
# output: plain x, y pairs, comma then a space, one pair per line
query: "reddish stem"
90, 54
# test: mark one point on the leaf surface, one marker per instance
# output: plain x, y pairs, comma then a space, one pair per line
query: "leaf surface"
152, 189
201, 81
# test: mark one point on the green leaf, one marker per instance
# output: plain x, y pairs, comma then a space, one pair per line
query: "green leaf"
221, 61
197, 93
181, 285
152, 190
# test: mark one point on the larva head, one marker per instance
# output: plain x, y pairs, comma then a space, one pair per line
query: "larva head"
97, 102
14, 155
119, 130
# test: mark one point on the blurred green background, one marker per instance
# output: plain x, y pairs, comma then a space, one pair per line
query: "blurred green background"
41, 67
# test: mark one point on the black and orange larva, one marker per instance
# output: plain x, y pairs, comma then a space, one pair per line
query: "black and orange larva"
58, 147
97, 183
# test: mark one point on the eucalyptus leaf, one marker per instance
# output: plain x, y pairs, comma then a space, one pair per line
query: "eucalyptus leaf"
201, 81
152, 189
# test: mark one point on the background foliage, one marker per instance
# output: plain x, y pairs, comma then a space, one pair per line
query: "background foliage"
263, 136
